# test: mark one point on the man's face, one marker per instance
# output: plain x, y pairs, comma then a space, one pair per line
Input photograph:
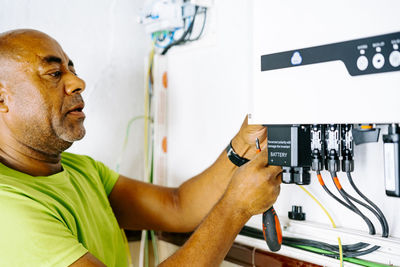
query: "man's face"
45, 105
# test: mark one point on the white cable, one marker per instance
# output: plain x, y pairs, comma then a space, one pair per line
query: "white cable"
141, 249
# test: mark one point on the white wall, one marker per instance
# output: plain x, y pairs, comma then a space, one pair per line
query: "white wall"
207, 94
108, 48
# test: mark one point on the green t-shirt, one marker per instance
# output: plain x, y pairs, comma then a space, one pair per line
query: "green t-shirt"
54, 220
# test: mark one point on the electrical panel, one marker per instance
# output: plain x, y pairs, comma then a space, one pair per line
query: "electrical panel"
325, 62
161, 15
326, 78
169, 15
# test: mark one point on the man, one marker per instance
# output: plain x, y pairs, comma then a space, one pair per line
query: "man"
60, 209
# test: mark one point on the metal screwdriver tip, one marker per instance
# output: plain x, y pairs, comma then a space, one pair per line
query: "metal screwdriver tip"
258, 144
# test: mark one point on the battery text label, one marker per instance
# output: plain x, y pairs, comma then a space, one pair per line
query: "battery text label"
279, 154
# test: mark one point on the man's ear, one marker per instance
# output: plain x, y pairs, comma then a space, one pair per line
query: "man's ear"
3, 99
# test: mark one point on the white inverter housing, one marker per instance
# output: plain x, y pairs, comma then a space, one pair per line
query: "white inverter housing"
320, 62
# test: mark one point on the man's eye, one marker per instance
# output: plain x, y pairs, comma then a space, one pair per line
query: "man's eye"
56, 74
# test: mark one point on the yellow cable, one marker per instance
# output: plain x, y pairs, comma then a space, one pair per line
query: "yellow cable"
330, 218
147, 116
147, 112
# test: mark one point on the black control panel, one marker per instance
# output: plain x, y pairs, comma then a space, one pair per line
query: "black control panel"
370, 55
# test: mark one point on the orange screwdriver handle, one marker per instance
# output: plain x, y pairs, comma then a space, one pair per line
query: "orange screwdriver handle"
272, 230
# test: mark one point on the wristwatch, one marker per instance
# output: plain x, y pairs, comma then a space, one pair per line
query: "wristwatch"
234, 157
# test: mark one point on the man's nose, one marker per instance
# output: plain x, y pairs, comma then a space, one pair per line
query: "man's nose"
74, 84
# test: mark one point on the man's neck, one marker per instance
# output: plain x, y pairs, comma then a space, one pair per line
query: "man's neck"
27, 160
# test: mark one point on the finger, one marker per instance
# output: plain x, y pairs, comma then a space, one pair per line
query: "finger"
261, 159
278, 179
253, 128
264, 146
274, 172
245, 122
274, 169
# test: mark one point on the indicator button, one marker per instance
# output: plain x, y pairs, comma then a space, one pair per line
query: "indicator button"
362, 63
296, 58
394, 59
378, 61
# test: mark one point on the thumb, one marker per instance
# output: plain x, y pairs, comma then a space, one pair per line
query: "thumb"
261, 159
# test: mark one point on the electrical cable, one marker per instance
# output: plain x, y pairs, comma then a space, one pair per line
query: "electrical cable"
384, 231
183, 37
386, 226
381, 220
362, 253
142, 248
189, 29
128, 127
202, 10
334, 248
319, 204
322, 183
328, 253
143, 243
351, 260
355, 209
146, 251
149, 148
202, 28
155, 250
329, 250
330, 218
157, 35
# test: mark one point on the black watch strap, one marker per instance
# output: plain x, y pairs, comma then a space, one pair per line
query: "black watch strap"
234, 157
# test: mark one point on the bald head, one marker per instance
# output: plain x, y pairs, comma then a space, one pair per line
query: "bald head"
16, 44
23, 46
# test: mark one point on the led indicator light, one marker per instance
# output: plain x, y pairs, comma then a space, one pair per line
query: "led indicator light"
296, 58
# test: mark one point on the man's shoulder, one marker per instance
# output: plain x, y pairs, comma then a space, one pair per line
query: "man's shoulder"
72, 159
85, 165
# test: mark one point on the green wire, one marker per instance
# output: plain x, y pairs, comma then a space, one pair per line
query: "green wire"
365, 263
351, 260
151, 178
128, 128
146, 251
153, 237
155, 249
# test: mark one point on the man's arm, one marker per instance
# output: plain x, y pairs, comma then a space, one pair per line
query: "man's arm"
139, 205
88, 260
254, 188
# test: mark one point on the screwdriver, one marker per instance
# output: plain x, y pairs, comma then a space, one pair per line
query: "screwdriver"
270, 223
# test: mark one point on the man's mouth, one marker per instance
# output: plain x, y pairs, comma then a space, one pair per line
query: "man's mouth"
77, 111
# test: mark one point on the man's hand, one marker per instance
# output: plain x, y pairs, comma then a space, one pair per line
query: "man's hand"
253, 189
255, 186
138, 205
244, 141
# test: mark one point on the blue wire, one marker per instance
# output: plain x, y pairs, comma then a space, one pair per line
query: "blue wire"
171, 39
